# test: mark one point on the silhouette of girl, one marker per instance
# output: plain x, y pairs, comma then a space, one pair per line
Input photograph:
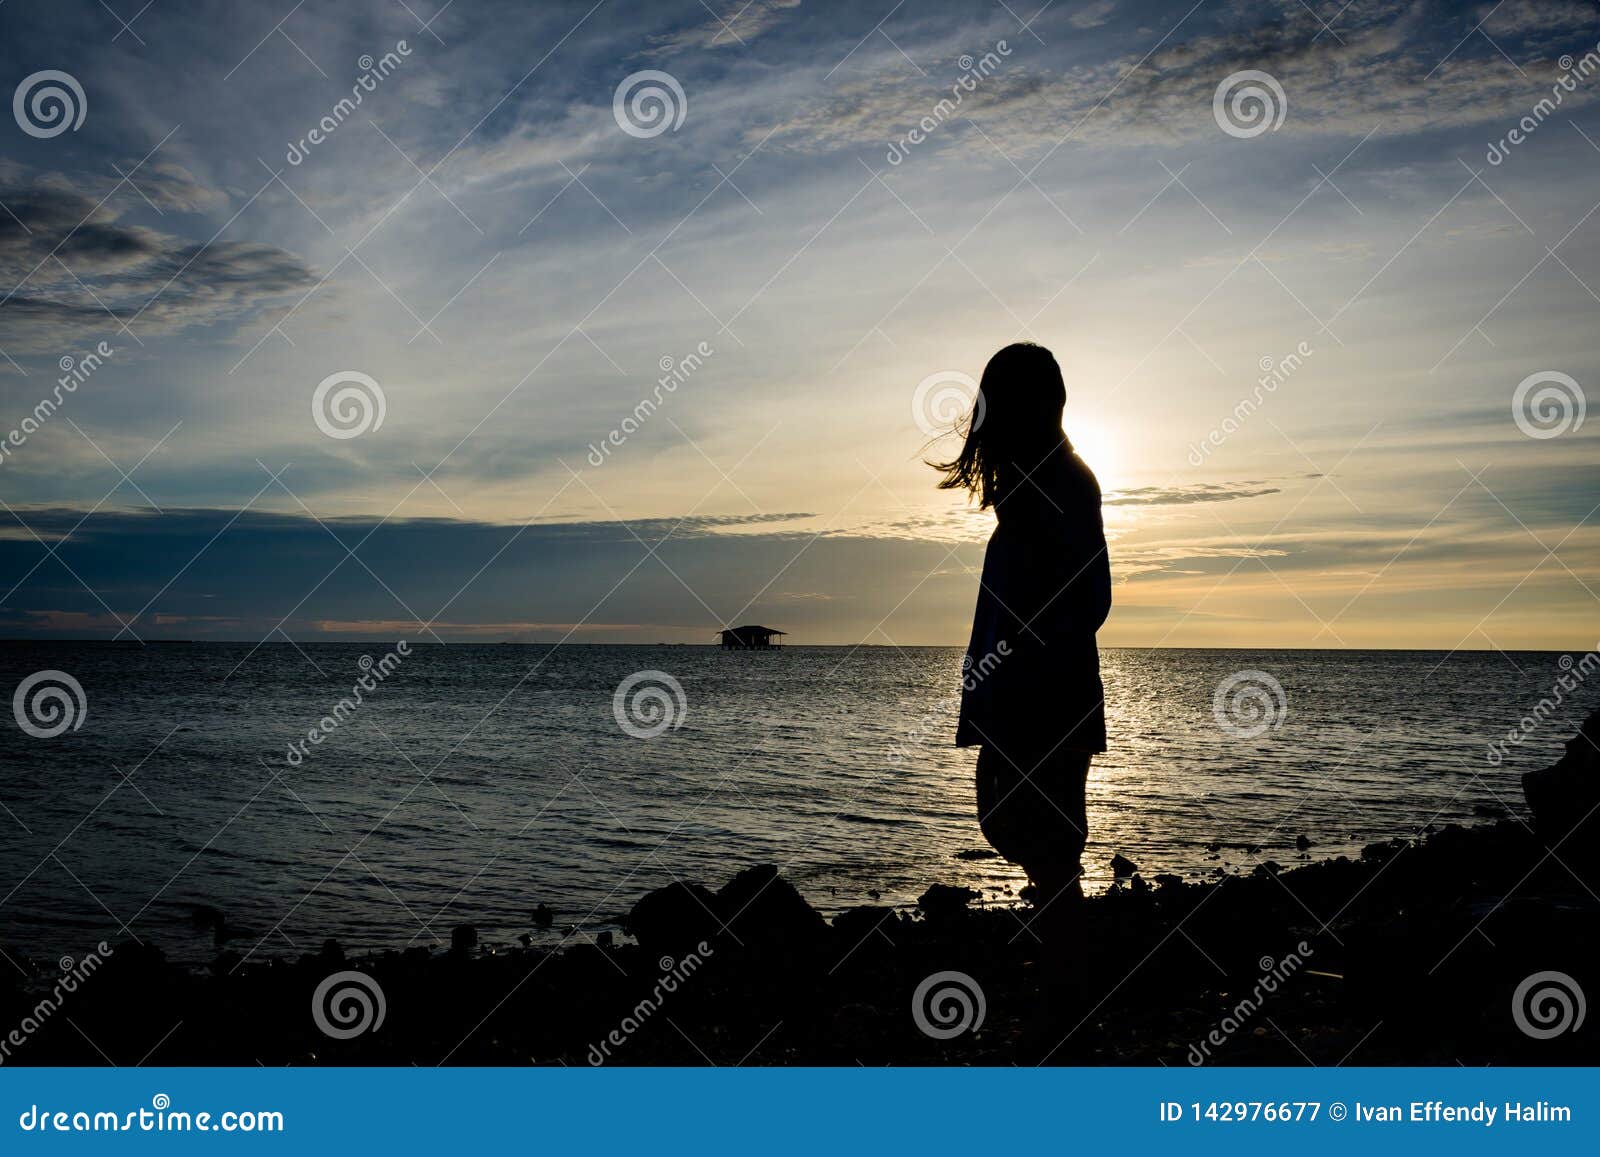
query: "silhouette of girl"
1031, 694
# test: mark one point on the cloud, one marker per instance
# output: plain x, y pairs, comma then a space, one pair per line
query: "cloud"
1092, 14
739, 22
1387, 69
1184, 495
209, 573
77, 266
169, 187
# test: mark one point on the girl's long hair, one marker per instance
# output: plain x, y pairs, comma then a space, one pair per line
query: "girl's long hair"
1014, 425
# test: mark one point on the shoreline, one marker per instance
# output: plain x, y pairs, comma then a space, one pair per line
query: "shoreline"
1407, 955
191, 941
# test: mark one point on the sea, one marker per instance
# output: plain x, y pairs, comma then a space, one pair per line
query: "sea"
382, 794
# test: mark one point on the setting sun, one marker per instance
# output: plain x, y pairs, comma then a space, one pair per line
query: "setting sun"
1101, 449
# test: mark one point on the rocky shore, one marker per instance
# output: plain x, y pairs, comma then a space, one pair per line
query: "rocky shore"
1471, 945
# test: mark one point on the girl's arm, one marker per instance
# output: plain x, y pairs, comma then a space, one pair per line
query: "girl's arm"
1069, 566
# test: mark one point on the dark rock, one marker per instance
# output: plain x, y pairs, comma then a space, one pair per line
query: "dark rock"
978, 854
226, 963
605, 939
945, 901
760, 905
1270, 868
1302, 841
332, 951
1565, 796
205, 916
1450, 838
679, 914
859, 924
1403, 955
1122, 867
1386, 850
543, 917
463, 938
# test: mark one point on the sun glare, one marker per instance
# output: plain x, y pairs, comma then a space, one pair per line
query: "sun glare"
1100, 449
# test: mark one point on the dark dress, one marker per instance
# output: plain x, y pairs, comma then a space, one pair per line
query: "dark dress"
1032, 674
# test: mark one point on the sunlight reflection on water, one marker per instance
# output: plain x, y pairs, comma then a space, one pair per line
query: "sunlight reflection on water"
432, 807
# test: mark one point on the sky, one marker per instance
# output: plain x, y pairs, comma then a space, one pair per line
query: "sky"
662, 353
